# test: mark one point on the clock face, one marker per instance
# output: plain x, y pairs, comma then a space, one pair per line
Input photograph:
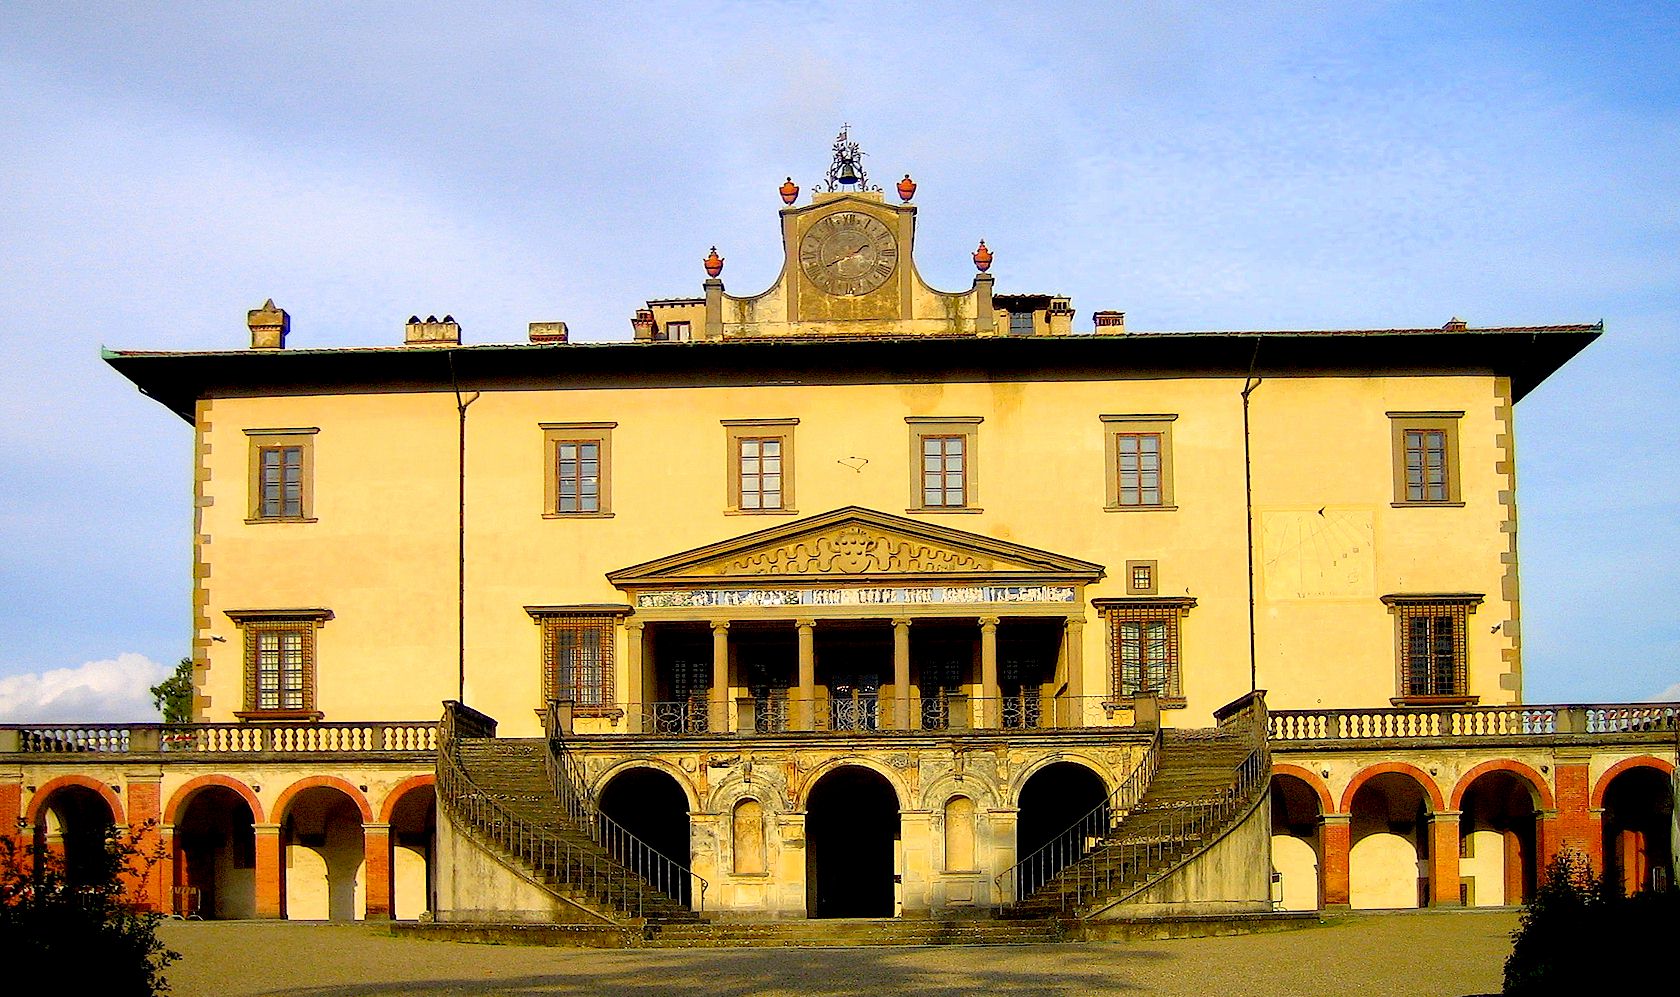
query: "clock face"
848, 253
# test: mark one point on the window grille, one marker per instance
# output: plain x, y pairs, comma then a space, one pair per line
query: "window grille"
1144, 648
1432, 650
578, 663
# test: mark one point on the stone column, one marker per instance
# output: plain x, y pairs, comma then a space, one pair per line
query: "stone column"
641, 685
376, 866
1003, 849
271, 872
168, 864
901, 675
11, 806
990, 694
1443, 859
805, 708
915, 863
1073, 653
720, 677
1337, 842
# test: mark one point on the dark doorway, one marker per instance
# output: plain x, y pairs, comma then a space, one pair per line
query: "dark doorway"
1638, 812
649, 806
851, 841
216, 856
74, 824
1056, 798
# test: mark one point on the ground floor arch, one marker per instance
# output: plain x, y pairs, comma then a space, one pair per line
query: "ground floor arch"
1389, 831
413, 840
852, 833
1498, 829
1063, 812
1297, 843
73, 822
648, 805
322, 837
215, 855
1638, 829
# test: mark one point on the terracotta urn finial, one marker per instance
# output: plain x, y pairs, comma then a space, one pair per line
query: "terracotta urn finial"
714, 263
790, 191
906, 188
982, 258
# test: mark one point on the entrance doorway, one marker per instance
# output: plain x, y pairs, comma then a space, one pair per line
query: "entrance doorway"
852, 837
1063, 814
649, 805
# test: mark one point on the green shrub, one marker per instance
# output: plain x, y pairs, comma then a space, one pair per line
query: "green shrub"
85, 933
1579, 931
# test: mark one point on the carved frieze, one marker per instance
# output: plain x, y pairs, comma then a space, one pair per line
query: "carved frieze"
853, 550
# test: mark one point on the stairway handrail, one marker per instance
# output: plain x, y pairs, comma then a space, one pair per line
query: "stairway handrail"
565, 775
1082, 835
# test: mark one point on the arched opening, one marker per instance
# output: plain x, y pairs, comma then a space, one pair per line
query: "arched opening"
215, 856
74, 823
1497, 853
1297, 844
649, 805
321, 832
1638, 815
1388, 862
1063, 814
851, 841
413, 853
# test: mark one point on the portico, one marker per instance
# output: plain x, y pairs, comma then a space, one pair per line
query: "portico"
855, 620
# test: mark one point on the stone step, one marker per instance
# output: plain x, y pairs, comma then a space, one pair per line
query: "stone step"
849, 932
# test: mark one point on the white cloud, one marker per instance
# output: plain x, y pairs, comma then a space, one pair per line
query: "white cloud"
113, 690
1669, 695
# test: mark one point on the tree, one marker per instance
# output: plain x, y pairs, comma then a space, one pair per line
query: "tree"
87, 933
1578, 924
173, 697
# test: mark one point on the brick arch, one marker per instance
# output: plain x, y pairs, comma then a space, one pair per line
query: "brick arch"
1424, 780
38, 801
1326, 803
178, 801
329, 781
1536, 782
1641, 761
401, 790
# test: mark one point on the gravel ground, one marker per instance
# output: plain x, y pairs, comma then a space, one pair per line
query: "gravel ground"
1422, 952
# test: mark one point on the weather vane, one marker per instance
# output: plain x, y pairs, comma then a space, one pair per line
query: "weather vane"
846, 171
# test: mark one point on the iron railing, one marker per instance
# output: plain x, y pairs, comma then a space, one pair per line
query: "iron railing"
222, 738
855, 712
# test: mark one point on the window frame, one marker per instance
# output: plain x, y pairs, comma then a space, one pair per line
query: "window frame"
935, 427
604, 621
557, 433
1170, 611
738, 431
256, 624
1454, 606
1446, 423
263, 441
1117, 426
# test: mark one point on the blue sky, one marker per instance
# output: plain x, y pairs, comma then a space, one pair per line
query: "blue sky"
1269, 166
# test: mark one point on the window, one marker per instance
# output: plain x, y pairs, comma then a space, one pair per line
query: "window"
1020, 323
1139, 461
1426, 458
577, 469
760, 463
943, 462
678, 332
578, 647
1141, 577
1432, 638
281, 475
279, 661
1143, 638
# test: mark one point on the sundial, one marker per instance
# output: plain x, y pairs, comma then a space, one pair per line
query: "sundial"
1322, 553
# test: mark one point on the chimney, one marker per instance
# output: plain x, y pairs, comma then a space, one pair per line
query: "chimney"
1061, 316
642, 324
1110, 323
1456, 324
432, 332
548, 332
269, 326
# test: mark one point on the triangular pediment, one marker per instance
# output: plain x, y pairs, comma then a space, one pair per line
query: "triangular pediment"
855, 543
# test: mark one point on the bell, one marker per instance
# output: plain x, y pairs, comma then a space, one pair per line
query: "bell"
848, 172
